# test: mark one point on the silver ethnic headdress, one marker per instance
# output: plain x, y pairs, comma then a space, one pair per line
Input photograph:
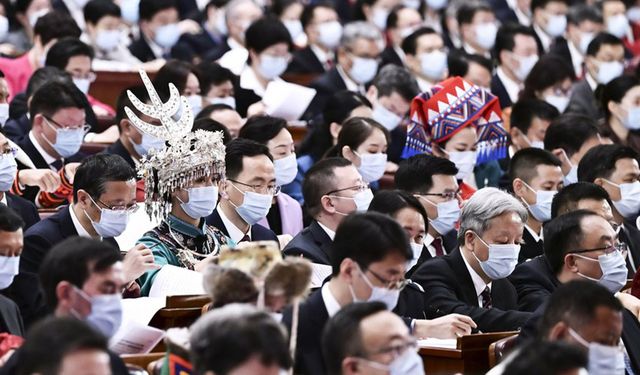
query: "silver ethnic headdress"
188, 155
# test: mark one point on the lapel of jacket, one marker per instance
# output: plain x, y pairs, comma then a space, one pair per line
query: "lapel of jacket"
321, 238
466, 286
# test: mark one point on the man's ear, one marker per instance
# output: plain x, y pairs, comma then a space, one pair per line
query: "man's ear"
518, 187
64, 289
599, 181
125, 126
570, 262
83, 198
334, 129
469, 240
372, 94
327, 204
347, 269
558, 332
349, 365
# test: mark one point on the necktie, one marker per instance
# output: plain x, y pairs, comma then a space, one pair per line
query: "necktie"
486, 298
245, 239
437, 244
57, 165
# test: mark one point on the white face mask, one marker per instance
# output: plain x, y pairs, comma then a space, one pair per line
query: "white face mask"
618, 25
608, 71
436, 4
82, 84
254, 206
465, 161
533, 144
387, 296
541, 210
614, 271
585, 39
8, 169
433, 65
413, 4
329, 34
632, 120
272, 67
9, 268
106, 312
195, 102
4, 27
201, 202
416, 249
4, 113
286, 169
629, 204
108, 40
502, 260
603, 359
361, 199
572, 176
385, 117
379, 17
486, 35
294, 27
372, 166
556, 25
112, 223
448, 215
561, 102
227, 100
167, 36
363, 69
525, 66
633, 13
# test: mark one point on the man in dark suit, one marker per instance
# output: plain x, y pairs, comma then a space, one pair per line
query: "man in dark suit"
102, 183
159, 32
368, 264
11, 241
210, 37
472, 280
535, 177
433, 181
247, 193
611, 166
548, 21
357, 65
402, 21
604, 62
322, 26
325, 187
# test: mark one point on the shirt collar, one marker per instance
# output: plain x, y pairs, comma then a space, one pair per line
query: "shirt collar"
592, 82
400, 53
4, 199
77, 225
423, 84
234, 232
184, 227
351, 85
249, 81
320, 54
155, 48
544, 38
513, 88
329, 232
472, 51
45, 155
576, 58
330, 302
233, 44
478, 283
536, 237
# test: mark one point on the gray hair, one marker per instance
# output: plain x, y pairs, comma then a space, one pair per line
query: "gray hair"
359, 29
232, 6
393, 78
484, 205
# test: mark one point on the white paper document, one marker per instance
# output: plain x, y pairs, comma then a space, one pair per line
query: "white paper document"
176, 281
287, 100
135, 338
319, 272
438, 343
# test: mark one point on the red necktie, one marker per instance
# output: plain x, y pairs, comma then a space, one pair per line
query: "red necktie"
437, 244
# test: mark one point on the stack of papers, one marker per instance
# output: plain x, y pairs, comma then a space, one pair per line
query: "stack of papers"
134, 335
287, 100
438, 343
176, 281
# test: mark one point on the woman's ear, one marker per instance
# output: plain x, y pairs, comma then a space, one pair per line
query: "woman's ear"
334, 129
350, 155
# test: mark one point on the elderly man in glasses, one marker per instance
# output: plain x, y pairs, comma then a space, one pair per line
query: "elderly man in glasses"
368, 260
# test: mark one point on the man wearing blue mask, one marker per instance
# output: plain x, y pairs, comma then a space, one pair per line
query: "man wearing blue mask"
369, 261
11, 242
615, 168
433, 181
536, 177
472, 280
247, 192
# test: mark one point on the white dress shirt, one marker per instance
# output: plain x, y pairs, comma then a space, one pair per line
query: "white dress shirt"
351, 85
77, 225
329, 232
234, 232
330, 302
478, 283
45, 155
544, 38
576, 58
513, 88
322, 56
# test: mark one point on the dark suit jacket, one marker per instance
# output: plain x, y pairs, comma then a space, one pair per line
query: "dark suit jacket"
498, 89
449, 244
258, 232
305, 61
200, 44
26, 209
16, 129
312, 243
313, 316
530, 249
560, 48
326, 85
630, 235
38, 240
216, 53
449, 289
534, 281
583, 101
10, 319
244, 99
117, 148
140, 49
503, 12
390, 56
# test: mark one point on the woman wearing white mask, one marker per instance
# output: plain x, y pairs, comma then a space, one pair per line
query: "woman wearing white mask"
269, 44
375, 12
285, 215
551, 80
458, 121
289, 12
363, 141
216, 84
185, 77
620, 100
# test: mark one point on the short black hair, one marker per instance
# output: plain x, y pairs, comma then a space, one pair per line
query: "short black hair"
615, 91
535, 4
266, 32
549, 70
524, 163
149, 8
468, 10
459, 61
54, 96
600, 161
50, 340
237, 150
547, 357
212, 74
95, 10
603, 39
212, 126
567, 199
582, 12
10, 221
562, 235
66, 48
393, 18
367, 238
74, 260
44, 75
56, 25
569, 132
123, 101
262, 128
207, 111
410, 43
96, 170
319, 180
225, 338
576, 303
393, 78
176, 72
390, 202
309, 11
341, 336
415, 175
525, 110
506, 37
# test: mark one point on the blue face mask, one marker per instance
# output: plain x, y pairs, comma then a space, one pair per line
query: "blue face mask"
148, 143
202, 201
167, 36
68, 141
254, 206
8, 168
